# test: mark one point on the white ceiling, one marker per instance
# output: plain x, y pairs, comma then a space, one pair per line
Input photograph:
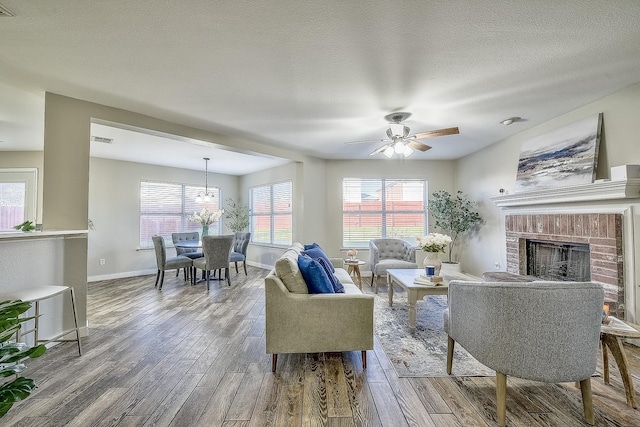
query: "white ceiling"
311, 75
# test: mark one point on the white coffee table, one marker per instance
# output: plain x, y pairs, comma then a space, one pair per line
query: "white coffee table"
405, 279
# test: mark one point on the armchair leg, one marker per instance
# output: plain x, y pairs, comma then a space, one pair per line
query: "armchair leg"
501, 398
450, 346
587, 402
274, 362
364, 359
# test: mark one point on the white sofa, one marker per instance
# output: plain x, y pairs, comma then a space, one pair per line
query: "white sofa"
299, 322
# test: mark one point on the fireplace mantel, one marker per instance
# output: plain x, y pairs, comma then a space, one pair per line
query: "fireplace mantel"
600, 190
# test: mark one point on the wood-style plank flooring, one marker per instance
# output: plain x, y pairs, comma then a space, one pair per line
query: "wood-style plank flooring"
185, 357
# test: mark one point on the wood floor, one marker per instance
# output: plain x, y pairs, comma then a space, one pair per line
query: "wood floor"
185, 357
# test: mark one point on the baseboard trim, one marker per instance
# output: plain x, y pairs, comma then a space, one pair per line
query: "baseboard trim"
121, 275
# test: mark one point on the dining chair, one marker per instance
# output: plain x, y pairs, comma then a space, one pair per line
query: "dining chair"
239, 253
192, 253
165, 263
216, 256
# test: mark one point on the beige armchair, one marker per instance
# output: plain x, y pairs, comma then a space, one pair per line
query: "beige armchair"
540, 331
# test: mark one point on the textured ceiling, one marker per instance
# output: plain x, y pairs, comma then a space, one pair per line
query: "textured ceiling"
311, 75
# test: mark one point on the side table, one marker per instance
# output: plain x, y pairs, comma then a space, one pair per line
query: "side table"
611, 335
353, 267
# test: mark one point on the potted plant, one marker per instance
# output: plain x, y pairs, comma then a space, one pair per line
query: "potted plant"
237, 214
455, 215
12, 354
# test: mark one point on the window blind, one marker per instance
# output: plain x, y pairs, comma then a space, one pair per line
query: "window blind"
272, 213
374, 208
165, 208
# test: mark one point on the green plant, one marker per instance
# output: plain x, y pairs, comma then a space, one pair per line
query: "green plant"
13, 353
25, 226
455, 215
238, 215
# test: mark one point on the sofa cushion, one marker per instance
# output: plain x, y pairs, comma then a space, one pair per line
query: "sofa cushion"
343, 276
317, 252
337, 286
289, 272
314, 275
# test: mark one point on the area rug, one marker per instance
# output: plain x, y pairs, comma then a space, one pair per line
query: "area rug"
423, 354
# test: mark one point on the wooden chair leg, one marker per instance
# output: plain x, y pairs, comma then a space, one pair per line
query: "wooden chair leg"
587, 402
450, 346
364, 359
274, 362
501, 398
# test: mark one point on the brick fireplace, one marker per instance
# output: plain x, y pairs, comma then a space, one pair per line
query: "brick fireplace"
602, 232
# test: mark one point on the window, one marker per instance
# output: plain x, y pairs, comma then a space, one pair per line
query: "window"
272, 214
165, 208
18, 196
373, 208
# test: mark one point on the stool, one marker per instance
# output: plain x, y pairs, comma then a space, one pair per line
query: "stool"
36, 295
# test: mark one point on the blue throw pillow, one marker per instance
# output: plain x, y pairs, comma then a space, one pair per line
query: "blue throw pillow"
317, 252
337, 286
314, 276
311, 246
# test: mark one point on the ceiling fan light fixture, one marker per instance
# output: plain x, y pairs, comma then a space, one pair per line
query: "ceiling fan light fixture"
407, 151
397, 129
398, 147
388, 152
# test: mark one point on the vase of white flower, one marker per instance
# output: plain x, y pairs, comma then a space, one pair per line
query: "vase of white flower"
206, 218
433, 244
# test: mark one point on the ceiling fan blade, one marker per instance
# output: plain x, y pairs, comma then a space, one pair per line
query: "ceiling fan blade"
418, 145
381, 149
367, 141
435, 133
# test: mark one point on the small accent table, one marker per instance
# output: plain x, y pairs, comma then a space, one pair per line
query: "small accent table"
611, 336
353, 266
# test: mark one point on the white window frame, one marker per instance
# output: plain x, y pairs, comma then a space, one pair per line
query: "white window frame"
214, 229
28, 176
271, 214
384, 212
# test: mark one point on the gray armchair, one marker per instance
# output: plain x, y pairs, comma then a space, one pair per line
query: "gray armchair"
187, 237
390, 253
216, 256
239, 252
540, 331
165, 263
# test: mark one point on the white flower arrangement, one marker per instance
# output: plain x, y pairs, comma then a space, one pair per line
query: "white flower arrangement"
433, 242
205, 217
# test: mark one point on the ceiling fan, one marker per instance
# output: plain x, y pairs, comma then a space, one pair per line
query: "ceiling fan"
399, 140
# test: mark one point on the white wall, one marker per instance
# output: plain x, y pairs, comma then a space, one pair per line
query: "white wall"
482, 174
114, 206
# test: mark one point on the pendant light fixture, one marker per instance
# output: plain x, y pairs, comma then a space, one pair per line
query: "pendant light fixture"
206, 195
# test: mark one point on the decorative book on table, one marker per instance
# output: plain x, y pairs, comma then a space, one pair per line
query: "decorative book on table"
426, 280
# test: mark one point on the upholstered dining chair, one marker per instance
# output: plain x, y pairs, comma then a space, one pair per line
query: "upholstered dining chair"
239, 252
389, 253
165, 263
216, 256
192, 253
539, 331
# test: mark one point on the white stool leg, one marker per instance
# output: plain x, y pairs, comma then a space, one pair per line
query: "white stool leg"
36, 322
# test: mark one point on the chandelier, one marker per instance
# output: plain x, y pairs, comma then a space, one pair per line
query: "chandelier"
206, 195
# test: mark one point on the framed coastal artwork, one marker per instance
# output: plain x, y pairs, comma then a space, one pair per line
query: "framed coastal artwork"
561, 158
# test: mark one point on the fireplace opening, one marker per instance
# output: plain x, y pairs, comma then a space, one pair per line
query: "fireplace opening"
560, 261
